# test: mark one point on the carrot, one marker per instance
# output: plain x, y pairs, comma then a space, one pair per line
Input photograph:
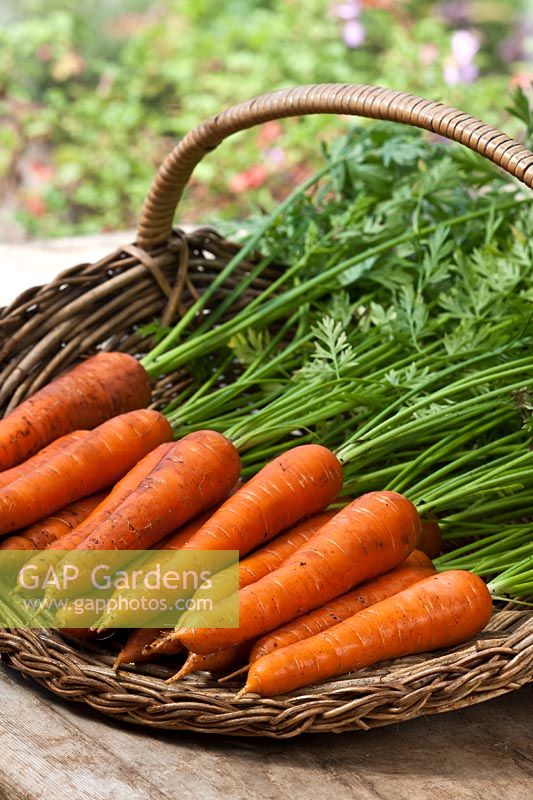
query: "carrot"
217, 663
196, 473
251, 569
40, 458
140, 638
367, 538
44, 533
440, 611
264, 560
302, 482
133, 650
176, 539
416, 567
118, 494
91, 464
41, 562
270, 557
293, 486
430, 538
222, 583
104, 386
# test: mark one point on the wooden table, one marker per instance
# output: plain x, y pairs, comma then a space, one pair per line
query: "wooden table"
51, 750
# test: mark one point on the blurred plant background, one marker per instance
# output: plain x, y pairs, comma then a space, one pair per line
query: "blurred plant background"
93, 93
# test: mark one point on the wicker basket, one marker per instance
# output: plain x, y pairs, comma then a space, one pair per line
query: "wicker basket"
91, 306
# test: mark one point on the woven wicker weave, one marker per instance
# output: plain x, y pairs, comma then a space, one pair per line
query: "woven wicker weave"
92, 306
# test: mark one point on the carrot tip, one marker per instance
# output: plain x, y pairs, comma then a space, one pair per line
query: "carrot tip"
242, 692
178, 675
234, 674
117, 662
156, 645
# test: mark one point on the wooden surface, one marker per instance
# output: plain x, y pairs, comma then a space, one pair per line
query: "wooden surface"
53, 750
50, 750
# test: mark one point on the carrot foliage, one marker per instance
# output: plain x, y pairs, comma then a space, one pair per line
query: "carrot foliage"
399, 332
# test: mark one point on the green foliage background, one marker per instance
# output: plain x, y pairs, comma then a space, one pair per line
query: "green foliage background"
93, 93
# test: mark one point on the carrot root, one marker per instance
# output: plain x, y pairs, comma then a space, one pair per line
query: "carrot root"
100, 388
440, 611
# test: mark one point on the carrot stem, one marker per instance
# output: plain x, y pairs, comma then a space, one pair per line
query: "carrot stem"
161, 360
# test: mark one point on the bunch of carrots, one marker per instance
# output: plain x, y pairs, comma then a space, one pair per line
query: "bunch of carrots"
85, 465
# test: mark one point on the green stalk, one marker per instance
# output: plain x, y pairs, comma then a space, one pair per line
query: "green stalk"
161, 360
349, 451
417, 489
247, 249
441, 449
519, 504
516, 580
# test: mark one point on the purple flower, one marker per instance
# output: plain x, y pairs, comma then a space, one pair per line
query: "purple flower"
353, 34
348, 10
460, 67
276, 154
465, 45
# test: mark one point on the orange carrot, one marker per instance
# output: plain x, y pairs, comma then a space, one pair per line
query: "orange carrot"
176, 539
416, 567
133, 650
139, 639
44, 533
91, 464
222, 583
195, 474
217, 663
118, 494
367, 538
293, 486
430, 538
440, 611
102, 387
270, 557
264, 560
41, 562
251, 569
40, 458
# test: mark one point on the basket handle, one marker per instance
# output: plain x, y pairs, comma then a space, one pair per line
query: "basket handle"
155, 223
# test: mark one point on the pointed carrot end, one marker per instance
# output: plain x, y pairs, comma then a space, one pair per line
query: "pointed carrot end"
157, 645
234, 674
119, 660
181, 673
242, 692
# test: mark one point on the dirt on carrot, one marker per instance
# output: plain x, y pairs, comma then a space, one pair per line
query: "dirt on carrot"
100, 388
92, 464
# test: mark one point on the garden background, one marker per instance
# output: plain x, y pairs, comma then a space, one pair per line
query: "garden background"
93, 93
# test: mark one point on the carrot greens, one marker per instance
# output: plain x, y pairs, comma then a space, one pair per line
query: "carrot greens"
398, 332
